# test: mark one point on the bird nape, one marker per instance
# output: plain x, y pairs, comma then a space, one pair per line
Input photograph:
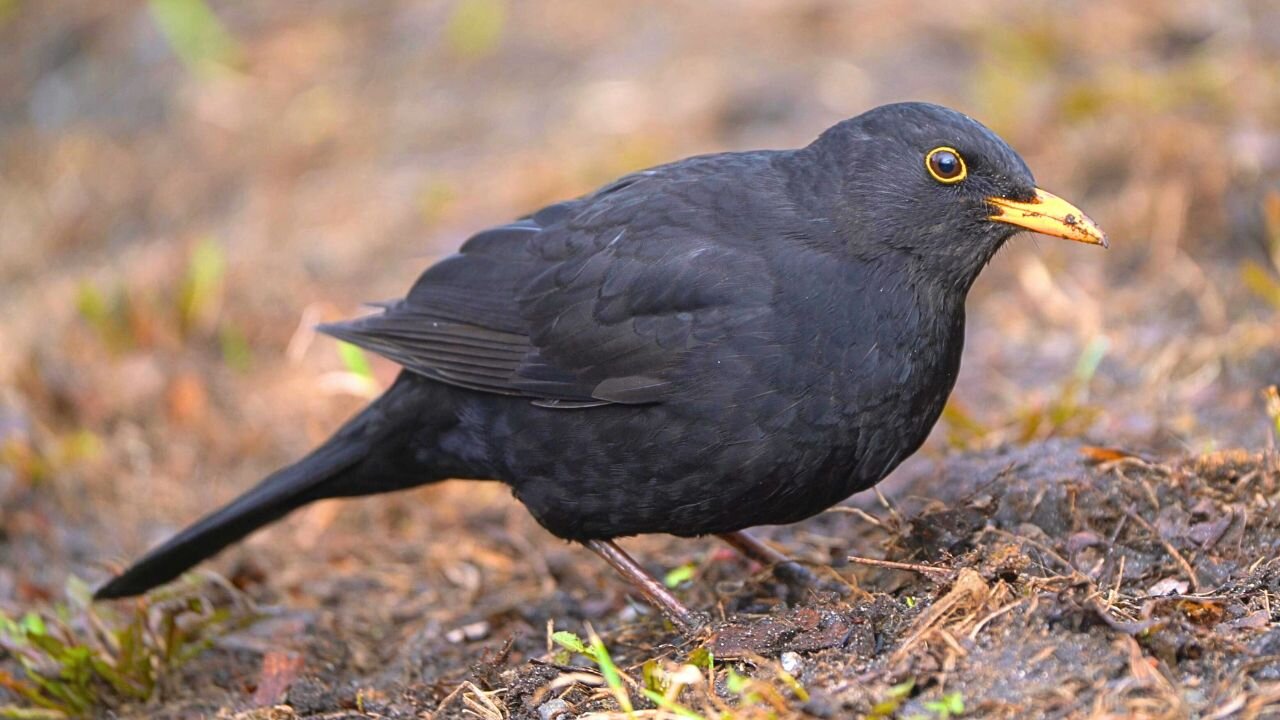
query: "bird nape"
725, 341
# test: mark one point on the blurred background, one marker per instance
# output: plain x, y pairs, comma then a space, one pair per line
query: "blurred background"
187, 186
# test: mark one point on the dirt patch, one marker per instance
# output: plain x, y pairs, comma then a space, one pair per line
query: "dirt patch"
173, 224
1054, 585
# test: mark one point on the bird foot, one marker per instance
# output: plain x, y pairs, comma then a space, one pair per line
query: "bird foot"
689, 624
801, 580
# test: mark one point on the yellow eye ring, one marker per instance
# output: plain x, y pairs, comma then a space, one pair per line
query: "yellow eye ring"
946, 165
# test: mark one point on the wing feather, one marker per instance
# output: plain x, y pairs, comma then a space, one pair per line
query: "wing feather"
594, 301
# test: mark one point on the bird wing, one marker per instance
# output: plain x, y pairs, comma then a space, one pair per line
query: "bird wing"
599, 300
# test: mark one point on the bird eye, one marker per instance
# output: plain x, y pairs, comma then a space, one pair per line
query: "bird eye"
945, 165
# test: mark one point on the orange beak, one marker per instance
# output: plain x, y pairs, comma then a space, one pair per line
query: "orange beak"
1048, 214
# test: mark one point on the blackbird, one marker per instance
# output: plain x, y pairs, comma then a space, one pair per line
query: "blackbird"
730, 340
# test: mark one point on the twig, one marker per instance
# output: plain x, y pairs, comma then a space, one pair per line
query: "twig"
1115, 591
1109, 565
977, 628
969, 588
1126, 627
1168, 547
909, 567
449, 698
887, 505
564, 668
1066, 564
858, 512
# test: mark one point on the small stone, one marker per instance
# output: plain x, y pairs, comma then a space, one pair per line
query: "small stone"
791, 662
1256, 620
1168, 586
556, 709
821, 706
310, 696
472, 632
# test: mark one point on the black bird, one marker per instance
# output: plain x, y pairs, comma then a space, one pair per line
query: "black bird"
726, 341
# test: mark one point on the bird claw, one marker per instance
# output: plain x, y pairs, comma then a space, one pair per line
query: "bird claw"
691, 624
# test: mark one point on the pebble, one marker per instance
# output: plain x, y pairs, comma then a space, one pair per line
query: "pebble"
791, 662
474, 631
556, 709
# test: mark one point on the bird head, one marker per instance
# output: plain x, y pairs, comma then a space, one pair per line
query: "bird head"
939, 187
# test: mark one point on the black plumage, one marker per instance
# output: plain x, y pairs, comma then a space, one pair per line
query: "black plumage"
725, 341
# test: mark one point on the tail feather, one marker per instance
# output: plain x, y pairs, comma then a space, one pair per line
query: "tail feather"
280, 493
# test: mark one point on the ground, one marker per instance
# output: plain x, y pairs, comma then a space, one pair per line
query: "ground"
182, 198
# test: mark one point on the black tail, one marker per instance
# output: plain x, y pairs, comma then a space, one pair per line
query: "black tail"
328, 471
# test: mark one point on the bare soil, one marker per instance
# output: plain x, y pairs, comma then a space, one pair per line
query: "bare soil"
1095, 517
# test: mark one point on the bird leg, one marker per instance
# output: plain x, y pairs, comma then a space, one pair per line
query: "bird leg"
685, 620
748, 545
790, 572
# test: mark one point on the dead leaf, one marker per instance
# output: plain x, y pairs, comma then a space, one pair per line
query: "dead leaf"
279, 670
1168, 586
1098, 455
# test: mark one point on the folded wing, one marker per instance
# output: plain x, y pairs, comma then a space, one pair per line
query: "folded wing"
595, 301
